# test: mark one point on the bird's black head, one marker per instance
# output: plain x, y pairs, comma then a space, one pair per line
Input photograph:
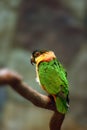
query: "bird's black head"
35, 54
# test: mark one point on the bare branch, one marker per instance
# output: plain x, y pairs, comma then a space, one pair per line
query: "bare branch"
15, 81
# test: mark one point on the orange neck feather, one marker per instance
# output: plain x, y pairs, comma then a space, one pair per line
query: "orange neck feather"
48, 56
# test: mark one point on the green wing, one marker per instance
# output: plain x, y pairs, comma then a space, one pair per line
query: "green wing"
53, 78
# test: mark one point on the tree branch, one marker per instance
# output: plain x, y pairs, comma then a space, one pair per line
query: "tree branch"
15, 81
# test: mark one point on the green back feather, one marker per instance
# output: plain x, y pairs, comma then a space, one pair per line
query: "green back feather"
52, 76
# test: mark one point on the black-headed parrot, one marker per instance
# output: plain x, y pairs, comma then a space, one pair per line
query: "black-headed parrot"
52, 76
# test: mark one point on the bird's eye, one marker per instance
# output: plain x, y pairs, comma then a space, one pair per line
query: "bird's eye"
37, 54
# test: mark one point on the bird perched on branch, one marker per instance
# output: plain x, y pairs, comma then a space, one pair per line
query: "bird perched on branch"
52, 77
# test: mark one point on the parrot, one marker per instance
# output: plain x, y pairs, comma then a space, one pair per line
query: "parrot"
52, 77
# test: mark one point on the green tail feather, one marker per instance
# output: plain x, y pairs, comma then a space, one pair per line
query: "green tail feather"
61, 105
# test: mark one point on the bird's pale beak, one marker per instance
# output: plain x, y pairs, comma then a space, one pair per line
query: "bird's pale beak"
32, 60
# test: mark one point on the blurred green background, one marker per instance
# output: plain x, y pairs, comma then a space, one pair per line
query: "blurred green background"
58, 25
